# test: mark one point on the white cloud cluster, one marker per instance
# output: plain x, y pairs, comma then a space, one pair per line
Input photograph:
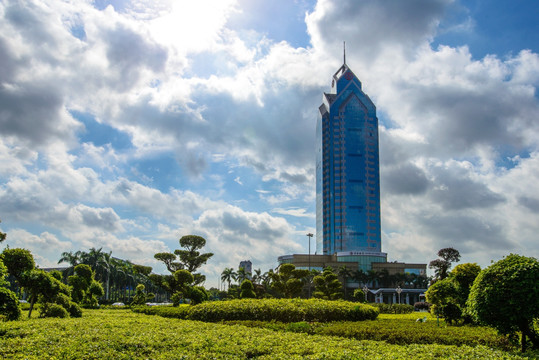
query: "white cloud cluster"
458, 135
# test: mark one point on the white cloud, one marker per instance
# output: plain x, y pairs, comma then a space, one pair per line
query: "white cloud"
179, 83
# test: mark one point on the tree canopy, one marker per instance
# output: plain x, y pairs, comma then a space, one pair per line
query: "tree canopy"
2, 235
327, 285
506, 296
448, 296
441, 266
188, 258
288, 282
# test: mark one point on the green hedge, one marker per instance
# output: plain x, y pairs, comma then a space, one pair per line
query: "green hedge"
285, 310
401, 332
394, 308
177, 312
104, 334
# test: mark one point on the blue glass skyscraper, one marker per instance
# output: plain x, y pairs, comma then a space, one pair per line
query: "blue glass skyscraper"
348, 172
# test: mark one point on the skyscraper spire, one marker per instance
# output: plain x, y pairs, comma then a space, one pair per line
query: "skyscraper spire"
344, 51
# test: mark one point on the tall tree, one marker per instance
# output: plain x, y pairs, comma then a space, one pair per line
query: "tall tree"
327, 285
228, 275
441, 266
257, 277
242, 275
345, 274
288, 281
188, 258
506, 296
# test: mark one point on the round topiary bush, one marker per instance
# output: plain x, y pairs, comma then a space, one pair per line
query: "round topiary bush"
55, 310
9, 304
74, 310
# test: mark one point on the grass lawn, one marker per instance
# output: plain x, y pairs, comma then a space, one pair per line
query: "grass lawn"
113, 334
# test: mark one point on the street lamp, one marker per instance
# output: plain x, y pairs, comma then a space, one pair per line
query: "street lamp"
309, 235
399, 290
365, 289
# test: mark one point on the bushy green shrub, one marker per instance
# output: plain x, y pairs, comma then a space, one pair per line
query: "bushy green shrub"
74, 310
395, 331
285, 310
197, 294
55, 310
393, 308
9, 304
247, 290
422, 305
177, 312
126, 335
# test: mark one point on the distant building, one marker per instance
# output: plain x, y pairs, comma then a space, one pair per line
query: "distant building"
247, 265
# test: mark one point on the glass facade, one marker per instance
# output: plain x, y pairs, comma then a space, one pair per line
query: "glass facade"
364, 262
347, 169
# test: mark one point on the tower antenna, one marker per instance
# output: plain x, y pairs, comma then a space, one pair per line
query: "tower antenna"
344, 51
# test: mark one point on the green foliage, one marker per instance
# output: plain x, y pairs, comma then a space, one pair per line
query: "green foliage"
464, 276
288, 282
176, 312
42, 288
9, 305
197, 294
127, 335
141, 297
141, 269
86, 291
359, 295
443, 297
74, 310
18, 261
393, 308
448, 296
247, 290
189, 259
55, 310
441, 266
506, 296
398, 330
327, 285
282, 310
56, 274
422, 305
3, 273
2, 235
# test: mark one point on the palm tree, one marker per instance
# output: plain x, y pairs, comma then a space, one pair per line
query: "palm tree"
372, 277
359, 276
228, 275
241, 275
72, 258
383, 277
257, 277
344, 273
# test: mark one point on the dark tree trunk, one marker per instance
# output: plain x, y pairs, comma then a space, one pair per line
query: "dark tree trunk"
32, 302
528, 332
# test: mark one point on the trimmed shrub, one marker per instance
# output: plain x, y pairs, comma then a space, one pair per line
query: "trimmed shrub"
422, 305
393, 308
55, 310
247, 290
285, 310
9, 304
177, 312
74, 310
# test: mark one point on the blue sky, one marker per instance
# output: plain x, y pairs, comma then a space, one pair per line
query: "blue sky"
128, 124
